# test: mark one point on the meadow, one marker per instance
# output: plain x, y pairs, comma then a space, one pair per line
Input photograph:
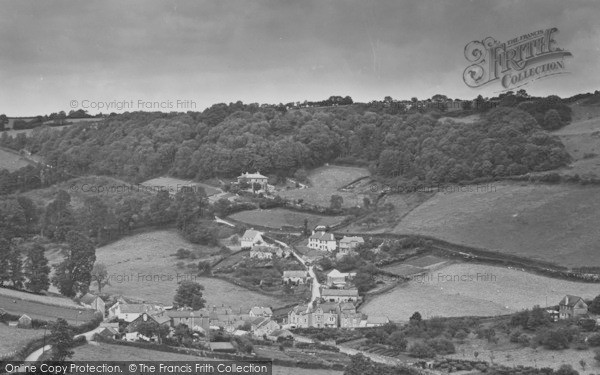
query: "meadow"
11, 161
469, 289
327, 181
13, 338
553, 223
278, 217
143, 267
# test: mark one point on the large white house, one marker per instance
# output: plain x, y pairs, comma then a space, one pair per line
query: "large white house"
250, 238
254, 178
323, 241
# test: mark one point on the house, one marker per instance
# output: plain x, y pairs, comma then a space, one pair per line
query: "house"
554, 315
159, 319
266, 252
250, 238
324, 315
340, 295
295, 277
109, 332
254, 178
259, 311
263, 326
223, 347
350, 319
376, 321
198, 320
335, 277
323, 241
131, 311
94, 302
24, 321
571, 307
348, 244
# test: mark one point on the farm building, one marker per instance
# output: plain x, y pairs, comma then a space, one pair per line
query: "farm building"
250, 238
571, 307
322, 241
295, 277
340, 295
94, 302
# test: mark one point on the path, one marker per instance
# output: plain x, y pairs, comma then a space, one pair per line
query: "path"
221, 221
316, 287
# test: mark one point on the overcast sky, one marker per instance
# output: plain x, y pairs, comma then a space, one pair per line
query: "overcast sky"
53, 52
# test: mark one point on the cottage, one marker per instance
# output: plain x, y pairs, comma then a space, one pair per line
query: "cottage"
337, 278
295, 277
131, 311
259, 311
348, 244
572, 307
109, 332
250, 238
263, 326
24, 321
321, 316
350, 319
340, 295
266, 252
93, 302
254, 178
198, 320
159, 319
322, 241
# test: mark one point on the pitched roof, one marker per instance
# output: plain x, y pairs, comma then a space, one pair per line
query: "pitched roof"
347, 306
259, 310
300, 274
329, 307
88, 298
374, 319
251, 234
259, 322
322, 236
135, 308
570, 300
252, 175
340, 292
186, 313
336, 273
352, 239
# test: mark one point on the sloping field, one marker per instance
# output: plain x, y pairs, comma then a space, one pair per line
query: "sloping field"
277, 217
553, 223
11, 161
142, 267
13, 338
336, 177
37, 310
467, 289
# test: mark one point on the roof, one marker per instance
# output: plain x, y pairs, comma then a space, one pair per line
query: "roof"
265, 249
570, 300
259, 310
109, 330
282, 333
336, 273
345, 306
322, 236
340, 292
186, 313
301, 274
88, 298
375, 319
352, 239
251, 234
258, 322
135, 308
329, 306
221, 345
252, 175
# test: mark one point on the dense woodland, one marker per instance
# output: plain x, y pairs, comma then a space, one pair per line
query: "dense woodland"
225, 140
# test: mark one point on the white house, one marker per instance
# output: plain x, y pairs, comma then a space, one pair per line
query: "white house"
250, 238
322, 241
254, 178
266, 252
295, 277
340, 295
335, 277
130, 312
94, 302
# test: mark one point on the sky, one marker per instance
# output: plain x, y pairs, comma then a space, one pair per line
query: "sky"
187, 55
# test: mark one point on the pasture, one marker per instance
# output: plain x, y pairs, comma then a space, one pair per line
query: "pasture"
173, 185
11, 161
278, 217
327, 181
552, 223
143, 267
14, 338
468, 289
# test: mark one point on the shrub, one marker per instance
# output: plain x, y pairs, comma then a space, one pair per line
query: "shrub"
442, 346
421, 350
594, 339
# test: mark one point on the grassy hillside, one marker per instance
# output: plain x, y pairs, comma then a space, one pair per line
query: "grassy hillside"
555, 223
275, 218
11, 161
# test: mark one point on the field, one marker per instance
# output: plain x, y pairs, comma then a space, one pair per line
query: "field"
554, 223
277, 217
104, 352
142, 267
11, 161
327, 181
173, 185
38, 310
14, 338
467, 289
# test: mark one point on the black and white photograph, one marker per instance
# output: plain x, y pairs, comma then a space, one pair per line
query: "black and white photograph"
300, 187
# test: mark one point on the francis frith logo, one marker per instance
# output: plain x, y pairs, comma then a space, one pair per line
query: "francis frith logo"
516, 62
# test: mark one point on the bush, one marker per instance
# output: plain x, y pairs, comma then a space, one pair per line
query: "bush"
594, 339
442, 346
421, 350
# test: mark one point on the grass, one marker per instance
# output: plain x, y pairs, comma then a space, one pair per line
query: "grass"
482, 291
277, 217
173, 185
403, 269
105, 352
327, 181
142, 267
14, 338
553, 223
47, 300
11, 161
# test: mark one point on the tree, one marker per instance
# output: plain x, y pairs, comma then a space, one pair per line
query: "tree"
37, 269
421, 350
62, 340
74, 274
58, 219
336, 202
15, 267
552, 120
189, 294
566, 370
594, 307
100, 276
366, 202
5, 251
397, 340
415, 318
